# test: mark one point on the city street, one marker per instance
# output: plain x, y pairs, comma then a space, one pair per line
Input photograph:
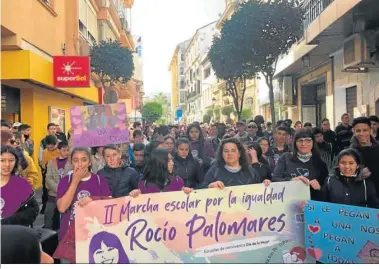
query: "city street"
190, 132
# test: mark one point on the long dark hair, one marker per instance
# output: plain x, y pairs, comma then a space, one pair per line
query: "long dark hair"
243, 160
258, 149
150, 147
201, 138
156, 169
304, 133
10, 150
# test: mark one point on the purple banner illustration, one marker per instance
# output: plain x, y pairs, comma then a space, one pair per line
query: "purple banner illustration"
99, 125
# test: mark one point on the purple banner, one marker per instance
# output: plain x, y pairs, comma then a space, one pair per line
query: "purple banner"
99, 125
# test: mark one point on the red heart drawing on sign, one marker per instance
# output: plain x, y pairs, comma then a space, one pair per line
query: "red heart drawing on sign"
315, 253
314, 229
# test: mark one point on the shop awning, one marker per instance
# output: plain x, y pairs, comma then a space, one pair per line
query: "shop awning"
28, 66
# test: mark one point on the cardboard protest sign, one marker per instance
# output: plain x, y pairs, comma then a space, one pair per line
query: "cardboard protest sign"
342, 234
99, 125
244, 224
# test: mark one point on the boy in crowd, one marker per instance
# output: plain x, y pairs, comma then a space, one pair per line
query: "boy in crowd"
344, 132
268, 133
329, 135
368, 148
241, 131
26, 130
139, 154
374, 126
6, 125
50, 153
56, 169
326, 151
51, 130
280, 143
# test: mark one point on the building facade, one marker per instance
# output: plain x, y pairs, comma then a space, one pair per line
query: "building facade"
178, 93
198, 47
27, 49
334, 68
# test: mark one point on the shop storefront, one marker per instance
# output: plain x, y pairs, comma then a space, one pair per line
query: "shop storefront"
315, 96
10, 103
29, 94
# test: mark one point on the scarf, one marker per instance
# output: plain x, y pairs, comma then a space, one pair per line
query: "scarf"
304, 157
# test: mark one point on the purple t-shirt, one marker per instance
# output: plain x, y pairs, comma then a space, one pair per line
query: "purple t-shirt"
13, 195
95, 186
176, 184
61, 163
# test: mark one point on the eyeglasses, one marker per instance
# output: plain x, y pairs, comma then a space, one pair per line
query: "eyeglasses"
252, 127
304, 140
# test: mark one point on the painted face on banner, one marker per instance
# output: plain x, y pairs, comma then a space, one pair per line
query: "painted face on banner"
106, 255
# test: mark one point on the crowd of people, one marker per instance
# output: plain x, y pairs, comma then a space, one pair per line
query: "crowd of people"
340, 166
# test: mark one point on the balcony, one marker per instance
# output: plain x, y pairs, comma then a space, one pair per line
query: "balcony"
313, 9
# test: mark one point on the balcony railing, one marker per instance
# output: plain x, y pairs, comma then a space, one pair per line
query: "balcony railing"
313, 9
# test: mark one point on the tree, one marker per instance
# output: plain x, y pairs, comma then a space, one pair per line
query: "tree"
226, 110
162, 99
207, 118
263, 31
230, 65
112, 63
152, 111
247, 113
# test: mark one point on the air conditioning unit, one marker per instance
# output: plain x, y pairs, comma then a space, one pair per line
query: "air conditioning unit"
360, 52
286, 92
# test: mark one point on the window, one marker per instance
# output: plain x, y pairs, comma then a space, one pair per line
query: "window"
182, 84
181, 70
87, 21
207, 72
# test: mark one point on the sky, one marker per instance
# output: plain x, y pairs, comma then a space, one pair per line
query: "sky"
163, 24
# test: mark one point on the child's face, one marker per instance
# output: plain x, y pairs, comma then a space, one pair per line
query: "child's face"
64, 152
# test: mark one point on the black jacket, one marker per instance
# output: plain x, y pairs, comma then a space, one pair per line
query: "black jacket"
263, 170
189, 170
354, 191
290, 166
25, 215
121, 180
344, 135
370, 159
219, 173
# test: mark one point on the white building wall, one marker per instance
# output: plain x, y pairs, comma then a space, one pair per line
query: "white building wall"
367, 88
